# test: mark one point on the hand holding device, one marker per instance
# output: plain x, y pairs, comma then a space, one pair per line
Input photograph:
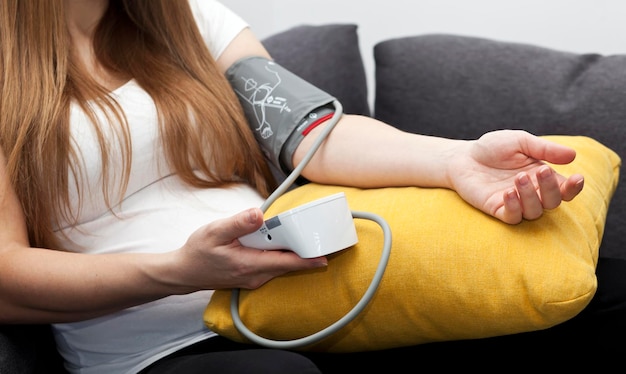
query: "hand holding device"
318, 228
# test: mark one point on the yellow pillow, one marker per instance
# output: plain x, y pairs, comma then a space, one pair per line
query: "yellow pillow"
454, 272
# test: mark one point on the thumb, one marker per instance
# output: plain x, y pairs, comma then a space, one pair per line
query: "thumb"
248, 221
547, 150
238, 225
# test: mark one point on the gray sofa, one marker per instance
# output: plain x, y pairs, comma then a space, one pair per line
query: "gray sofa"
444, 85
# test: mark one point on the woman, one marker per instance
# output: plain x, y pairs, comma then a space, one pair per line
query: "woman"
128, 171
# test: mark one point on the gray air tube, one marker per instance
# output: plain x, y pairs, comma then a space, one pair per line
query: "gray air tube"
281, 108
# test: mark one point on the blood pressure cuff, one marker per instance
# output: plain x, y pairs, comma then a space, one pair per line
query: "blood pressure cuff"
280, 106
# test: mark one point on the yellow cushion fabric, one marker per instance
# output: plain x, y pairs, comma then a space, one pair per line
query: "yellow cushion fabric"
454, 272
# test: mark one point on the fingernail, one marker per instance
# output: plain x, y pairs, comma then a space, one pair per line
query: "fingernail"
321, 263
511, 194
581, 182
545, 172
252, 215
523, 179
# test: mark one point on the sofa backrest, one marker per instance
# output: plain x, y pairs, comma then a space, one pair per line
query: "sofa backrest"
327, 56
461, 87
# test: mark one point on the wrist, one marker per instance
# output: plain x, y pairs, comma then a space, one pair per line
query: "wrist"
163, 272
435, 161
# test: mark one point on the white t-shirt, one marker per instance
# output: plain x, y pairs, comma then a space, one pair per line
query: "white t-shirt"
158, 214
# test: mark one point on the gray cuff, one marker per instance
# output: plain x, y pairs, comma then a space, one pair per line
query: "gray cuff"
277, 103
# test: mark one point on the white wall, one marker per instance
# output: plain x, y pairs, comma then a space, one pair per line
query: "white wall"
583, 26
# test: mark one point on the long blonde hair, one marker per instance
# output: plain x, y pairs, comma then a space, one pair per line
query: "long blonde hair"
140, 39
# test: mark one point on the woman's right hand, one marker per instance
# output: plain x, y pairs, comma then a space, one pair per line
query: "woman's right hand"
213, 257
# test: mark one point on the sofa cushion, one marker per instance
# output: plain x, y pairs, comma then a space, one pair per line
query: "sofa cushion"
327, 56
453, 273
462, 87
29, 349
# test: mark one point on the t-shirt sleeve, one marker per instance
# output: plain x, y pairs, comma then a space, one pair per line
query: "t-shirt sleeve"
218, 24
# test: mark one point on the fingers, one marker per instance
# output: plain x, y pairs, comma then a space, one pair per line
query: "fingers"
511, 211
521, 202
529, 201
532, 207
572, 187
549, 189
266, 265
275, 262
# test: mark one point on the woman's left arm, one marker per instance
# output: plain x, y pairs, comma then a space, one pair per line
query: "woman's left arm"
504, 173
360, 151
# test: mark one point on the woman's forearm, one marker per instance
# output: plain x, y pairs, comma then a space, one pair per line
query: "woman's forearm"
364, 152
44, 286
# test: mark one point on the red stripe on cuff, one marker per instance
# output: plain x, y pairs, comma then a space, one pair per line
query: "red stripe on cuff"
318, 122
